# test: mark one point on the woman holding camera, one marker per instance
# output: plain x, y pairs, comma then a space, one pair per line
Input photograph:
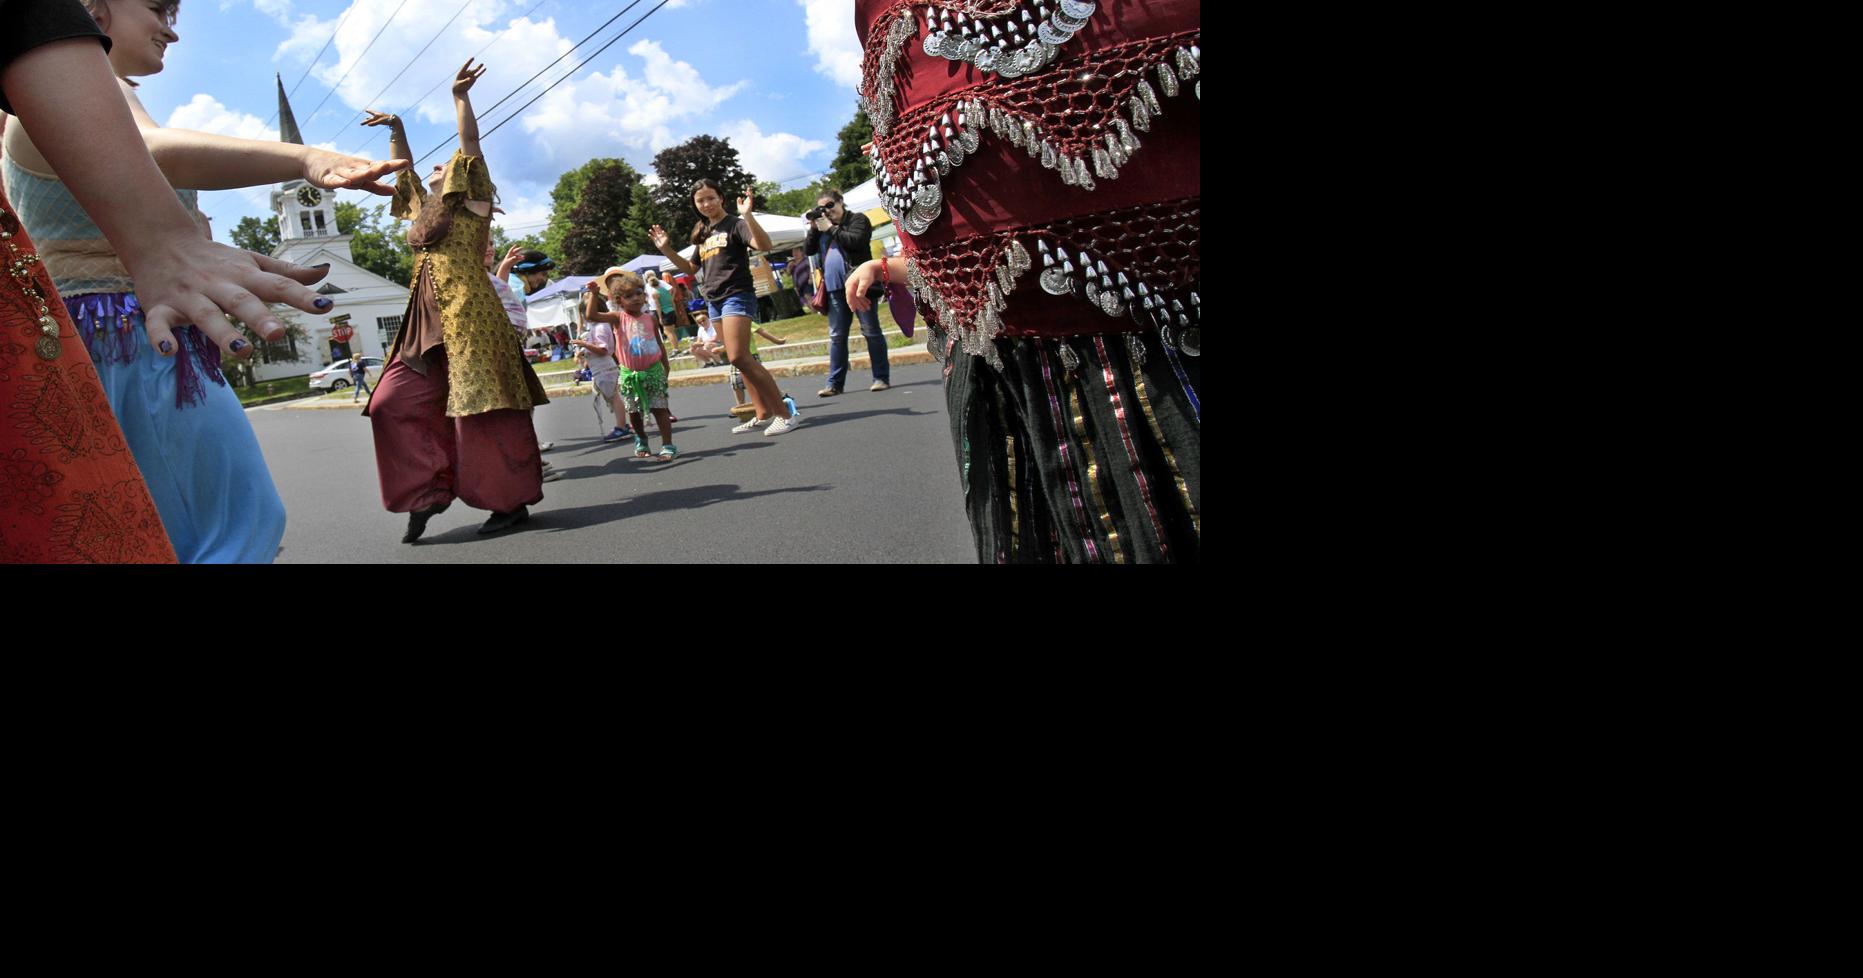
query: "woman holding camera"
839, 242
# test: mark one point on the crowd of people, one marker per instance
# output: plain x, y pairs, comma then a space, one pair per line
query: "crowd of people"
132, 448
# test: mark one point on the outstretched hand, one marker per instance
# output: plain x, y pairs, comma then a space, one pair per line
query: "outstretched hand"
334, 171
381, 119
659, 236
859, 283
202, 282
744, 204
462, 82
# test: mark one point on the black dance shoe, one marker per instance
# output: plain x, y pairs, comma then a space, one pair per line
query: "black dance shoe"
505, 521
417, 521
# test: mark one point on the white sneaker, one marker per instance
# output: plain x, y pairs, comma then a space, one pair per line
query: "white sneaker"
781, 425
751, 425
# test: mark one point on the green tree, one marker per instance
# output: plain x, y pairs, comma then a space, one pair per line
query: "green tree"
377, 242
852, 167
253, 234
794, 203
597, 230
636, 231
566, 196
683, 165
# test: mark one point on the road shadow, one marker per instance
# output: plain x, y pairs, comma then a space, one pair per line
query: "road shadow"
663, 501
819, 420
581, 517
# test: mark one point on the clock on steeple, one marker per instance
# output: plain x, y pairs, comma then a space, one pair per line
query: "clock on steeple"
306, 214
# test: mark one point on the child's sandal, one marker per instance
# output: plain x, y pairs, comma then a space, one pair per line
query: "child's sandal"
668, 453
640, 447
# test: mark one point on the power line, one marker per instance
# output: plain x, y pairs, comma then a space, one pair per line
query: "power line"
520, 110
410, 64
319, 57
359, 57
572, 50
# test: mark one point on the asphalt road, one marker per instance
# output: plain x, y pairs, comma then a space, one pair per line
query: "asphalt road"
867, 478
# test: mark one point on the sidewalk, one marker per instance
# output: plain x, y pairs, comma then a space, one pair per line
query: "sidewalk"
795, 367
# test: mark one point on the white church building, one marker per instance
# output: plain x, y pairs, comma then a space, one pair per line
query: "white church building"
368, 304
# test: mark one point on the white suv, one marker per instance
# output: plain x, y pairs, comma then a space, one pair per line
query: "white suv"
335, 377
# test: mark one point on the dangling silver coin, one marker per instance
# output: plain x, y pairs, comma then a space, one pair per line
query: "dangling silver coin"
1051, 34
1078, 9
1056, 282
1190, 342
929, 196
970, 139
1110, 304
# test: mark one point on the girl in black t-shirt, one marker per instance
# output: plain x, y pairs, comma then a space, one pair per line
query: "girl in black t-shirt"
724, 245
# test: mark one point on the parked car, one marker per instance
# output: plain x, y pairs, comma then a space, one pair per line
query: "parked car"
335, 377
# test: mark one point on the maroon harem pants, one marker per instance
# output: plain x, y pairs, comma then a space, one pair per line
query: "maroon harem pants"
490, 460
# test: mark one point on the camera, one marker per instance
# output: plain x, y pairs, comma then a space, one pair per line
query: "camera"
812, 215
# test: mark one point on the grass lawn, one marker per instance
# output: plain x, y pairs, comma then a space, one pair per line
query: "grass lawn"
270, 390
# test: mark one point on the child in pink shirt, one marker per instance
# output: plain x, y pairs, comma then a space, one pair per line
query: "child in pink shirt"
642, 362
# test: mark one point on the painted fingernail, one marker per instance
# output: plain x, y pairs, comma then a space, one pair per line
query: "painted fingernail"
323, 302
166, 347
239, 345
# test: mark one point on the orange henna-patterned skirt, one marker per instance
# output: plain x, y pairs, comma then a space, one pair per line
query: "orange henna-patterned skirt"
69, 491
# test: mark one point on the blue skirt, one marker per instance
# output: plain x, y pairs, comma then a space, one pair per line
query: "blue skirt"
188, 433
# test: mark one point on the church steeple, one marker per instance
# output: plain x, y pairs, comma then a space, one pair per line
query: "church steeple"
287, 123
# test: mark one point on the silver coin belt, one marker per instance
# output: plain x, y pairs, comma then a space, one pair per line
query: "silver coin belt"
915, 198
1163, 297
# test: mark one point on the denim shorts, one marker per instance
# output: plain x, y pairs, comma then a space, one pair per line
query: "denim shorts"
741, 304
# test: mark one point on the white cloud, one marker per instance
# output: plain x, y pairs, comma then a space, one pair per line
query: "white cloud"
778, 156
833, 40
601, 114
525, 214
680, 80
278, 10
204, 113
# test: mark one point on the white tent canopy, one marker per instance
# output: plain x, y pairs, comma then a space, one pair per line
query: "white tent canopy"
864, 197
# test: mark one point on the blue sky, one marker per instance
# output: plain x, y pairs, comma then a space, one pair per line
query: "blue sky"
776, 77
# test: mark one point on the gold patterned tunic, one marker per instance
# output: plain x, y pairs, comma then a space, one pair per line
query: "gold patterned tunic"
485, 363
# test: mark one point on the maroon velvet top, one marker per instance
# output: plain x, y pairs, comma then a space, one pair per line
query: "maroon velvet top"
1144, 222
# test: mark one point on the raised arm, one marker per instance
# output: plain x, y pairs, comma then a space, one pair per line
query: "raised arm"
462, 107
758, 239
512, 257
66, 91
204, 161
590, 313
662, 242
397, 133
